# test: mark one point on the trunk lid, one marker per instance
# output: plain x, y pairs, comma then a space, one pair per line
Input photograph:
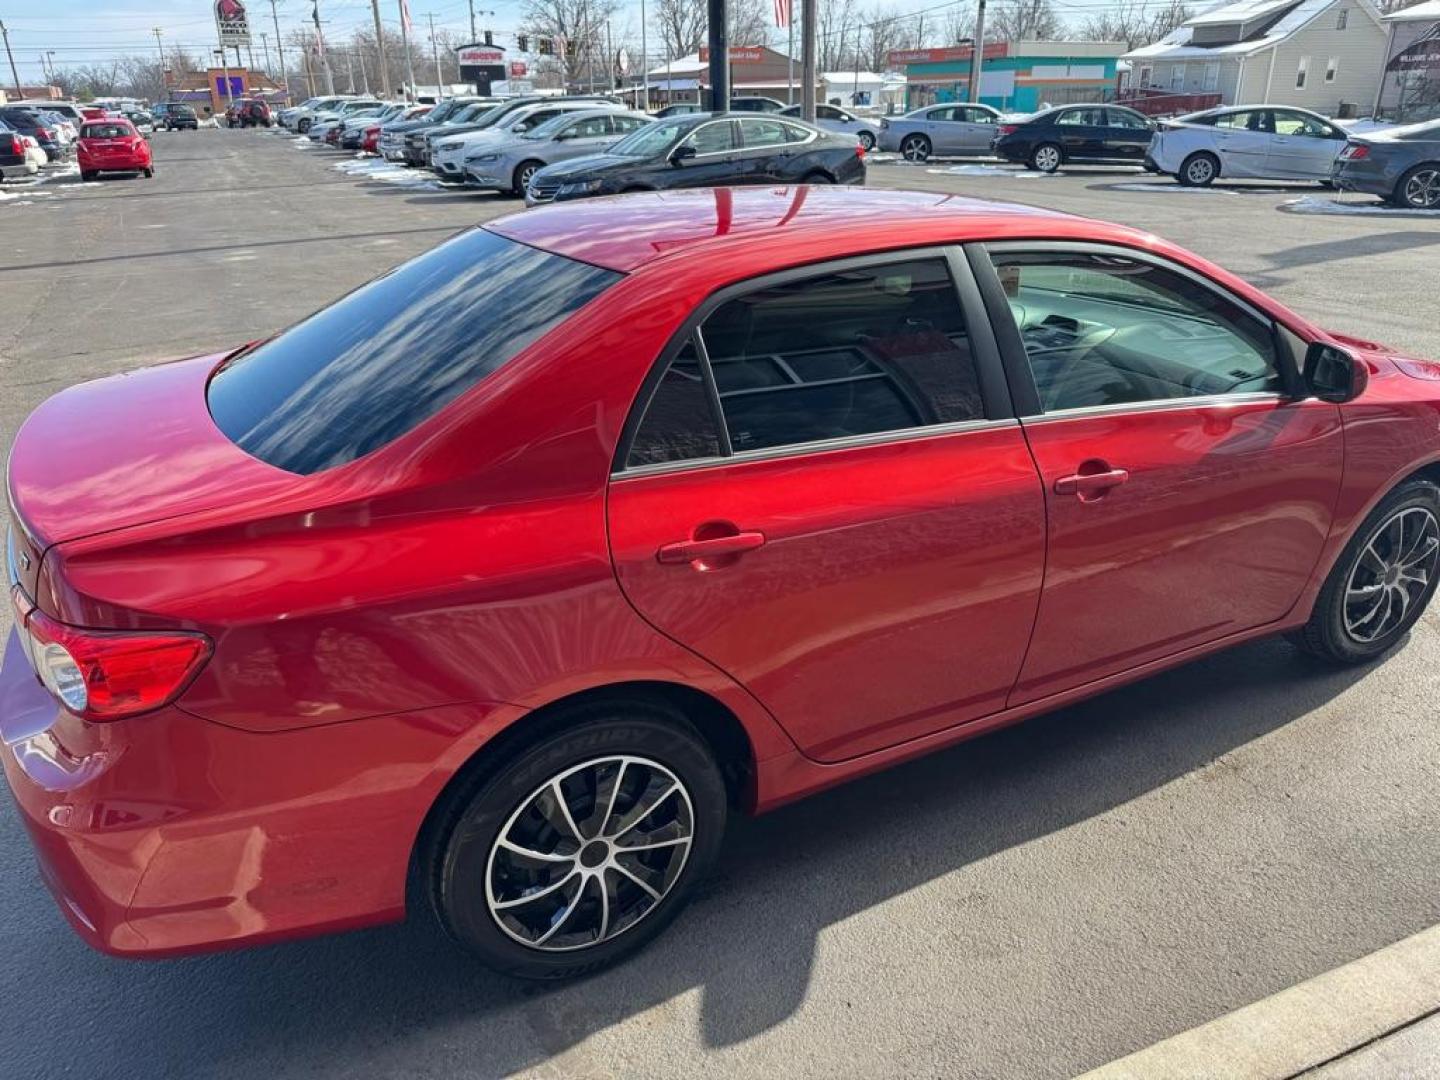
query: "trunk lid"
125, 451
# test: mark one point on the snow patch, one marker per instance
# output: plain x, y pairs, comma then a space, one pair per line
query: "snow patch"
1313, 204
988, 170
1171, 189
378, 169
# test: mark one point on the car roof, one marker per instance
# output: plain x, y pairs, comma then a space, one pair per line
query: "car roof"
627, 234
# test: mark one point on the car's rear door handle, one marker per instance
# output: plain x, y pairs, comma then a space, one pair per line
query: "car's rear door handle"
1094, 483
686, 551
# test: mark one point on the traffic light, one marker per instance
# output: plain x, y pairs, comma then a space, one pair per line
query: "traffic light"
489, 38
522, 43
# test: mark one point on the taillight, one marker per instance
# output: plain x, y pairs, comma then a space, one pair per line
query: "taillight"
859, 151
17, 145
1355, 152
104, 675
1009, 129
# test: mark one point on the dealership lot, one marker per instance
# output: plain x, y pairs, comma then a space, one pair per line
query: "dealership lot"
1030, 904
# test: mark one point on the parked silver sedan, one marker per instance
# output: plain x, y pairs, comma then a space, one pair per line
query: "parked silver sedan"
507, 165
1253, 142
832, 118
940, 130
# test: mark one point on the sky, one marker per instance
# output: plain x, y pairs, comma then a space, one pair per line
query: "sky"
80, 32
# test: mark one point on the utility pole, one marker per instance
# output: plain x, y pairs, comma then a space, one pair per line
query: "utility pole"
14, 71
280, 48
807, 61
609, 58
435, 52
265, 48
380, 46
350, 71
790, 55
224, 76
719, 42
977, 54
472, 21
320, 47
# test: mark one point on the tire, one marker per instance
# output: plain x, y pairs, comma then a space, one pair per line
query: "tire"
1419, 189
523, 172
530, 917
149, 173
86, 176
303, 127
867, 141
1046, 158
1392, 557
915, 148
818, 178
1198, 170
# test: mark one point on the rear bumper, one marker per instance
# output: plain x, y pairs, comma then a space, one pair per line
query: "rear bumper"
168, 834
1367, 176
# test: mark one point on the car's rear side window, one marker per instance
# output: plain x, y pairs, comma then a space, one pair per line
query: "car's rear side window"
369, 368
855, 352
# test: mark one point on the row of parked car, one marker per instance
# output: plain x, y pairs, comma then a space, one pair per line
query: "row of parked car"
34, 135
1238, 142
548, 148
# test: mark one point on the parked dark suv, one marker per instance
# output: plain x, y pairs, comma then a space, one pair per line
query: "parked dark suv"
1107, 134
175, 117
41, 128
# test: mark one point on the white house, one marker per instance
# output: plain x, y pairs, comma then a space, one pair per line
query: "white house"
1315, 54
865, 90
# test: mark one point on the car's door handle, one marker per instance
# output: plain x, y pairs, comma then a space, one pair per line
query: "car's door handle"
689, 551
1090, 483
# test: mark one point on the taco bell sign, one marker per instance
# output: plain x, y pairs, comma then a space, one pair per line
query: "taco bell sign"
232, 23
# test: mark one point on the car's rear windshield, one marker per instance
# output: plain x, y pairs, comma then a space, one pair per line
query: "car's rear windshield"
182, 110
106, 131
364, 371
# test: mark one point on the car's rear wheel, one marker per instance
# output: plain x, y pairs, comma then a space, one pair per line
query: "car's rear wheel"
87, 175
1419, 189
578, 850
867, 141
523, 173
1046, 158
149, 173
915, 148
1198, 170
1382, 581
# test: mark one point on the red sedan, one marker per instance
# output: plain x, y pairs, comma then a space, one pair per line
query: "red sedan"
511, 574
113, 145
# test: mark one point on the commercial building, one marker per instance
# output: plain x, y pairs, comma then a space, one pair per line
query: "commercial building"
755, 71
1410, 81
1015, 76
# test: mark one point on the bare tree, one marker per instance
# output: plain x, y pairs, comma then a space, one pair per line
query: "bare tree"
1025, 20
837, 31
881, 33
682, 25
749, 21
581, 23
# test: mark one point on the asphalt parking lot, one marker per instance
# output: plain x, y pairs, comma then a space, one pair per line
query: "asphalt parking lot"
1030, 904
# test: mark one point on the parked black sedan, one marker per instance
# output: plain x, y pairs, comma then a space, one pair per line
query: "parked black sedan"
1104, 134
1401, 165
706, 150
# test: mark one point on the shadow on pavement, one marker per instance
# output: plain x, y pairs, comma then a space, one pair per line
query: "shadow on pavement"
382, 999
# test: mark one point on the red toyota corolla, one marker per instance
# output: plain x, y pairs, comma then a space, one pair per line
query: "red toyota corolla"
513, 572
113, 145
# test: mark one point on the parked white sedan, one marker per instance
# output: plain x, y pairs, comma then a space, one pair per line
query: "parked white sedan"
832, 118
1247, 142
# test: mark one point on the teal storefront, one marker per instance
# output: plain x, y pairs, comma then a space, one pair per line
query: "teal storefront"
1036, 74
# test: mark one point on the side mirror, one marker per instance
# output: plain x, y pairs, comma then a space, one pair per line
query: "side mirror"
681, 154
1332, 374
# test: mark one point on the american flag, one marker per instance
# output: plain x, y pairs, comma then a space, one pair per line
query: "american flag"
405, 16
783, 12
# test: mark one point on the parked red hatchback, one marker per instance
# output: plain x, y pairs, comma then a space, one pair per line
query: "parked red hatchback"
516, 571
113, 145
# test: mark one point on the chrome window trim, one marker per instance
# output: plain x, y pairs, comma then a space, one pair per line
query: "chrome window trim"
848, 442
1207, 401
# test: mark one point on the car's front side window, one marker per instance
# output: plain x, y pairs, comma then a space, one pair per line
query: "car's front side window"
1107, 329
873, 349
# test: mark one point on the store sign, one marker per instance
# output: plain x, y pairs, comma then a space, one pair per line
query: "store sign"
481, 54
1421, 55
519, 69
232, 23
739, 54
901, 57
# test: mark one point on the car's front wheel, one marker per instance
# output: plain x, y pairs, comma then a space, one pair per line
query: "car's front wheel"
1382, 581
524, 172
580, 849
1198, 170
915, 148
867, 141
1419, 189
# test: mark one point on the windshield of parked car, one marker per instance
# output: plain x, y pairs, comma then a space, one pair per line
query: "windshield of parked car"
364, 371
652, 139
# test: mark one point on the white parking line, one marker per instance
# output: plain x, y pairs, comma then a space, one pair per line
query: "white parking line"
1307, 1025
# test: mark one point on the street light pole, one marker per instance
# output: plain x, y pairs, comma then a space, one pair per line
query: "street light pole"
320, 46
224, 76
644, 59
405, 41
807, 62
380, 45
280, 49
435, 53
977, 53
14, 71
719, 42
